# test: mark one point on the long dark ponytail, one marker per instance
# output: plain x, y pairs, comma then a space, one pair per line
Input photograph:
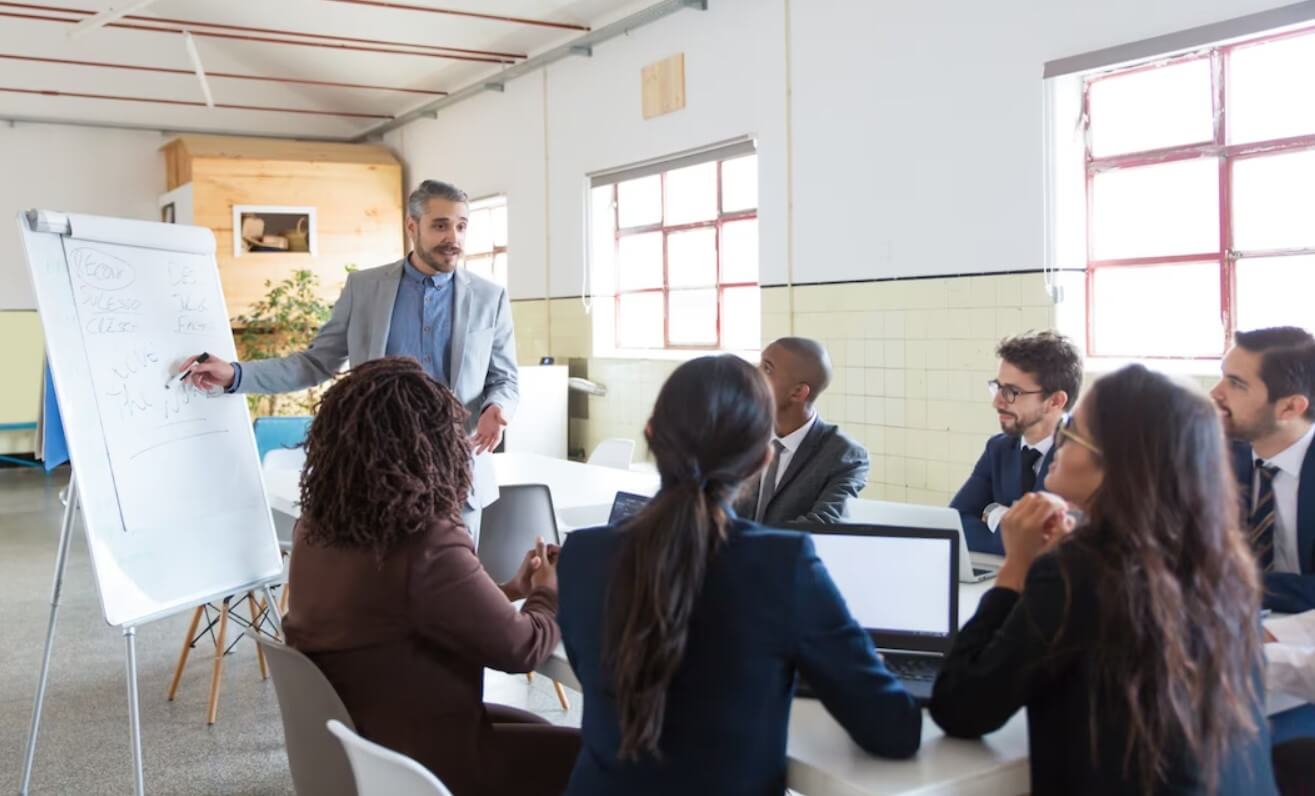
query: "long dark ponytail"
710, 431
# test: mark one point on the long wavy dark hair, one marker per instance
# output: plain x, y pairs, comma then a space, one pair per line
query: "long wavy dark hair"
387, 454
1177, 587
710, 431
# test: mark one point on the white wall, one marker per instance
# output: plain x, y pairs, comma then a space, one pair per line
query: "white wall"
917, 127
76, 169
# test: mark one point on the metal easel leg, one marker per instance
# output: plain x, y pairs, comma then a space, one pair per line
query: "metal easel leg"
134, 713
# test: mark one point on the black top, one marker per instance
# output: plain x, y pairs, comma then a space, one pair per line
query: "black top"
1004, 659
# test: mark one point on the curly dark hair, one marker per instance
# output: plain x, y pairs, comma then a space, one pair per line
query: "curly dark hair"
1049, 357
387, 454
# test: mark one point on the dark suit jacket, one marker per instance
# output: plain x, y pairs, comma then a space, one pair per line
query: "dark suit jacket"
405, 642
1025, 651
767, 610
828, 469
995, 479
1286, 592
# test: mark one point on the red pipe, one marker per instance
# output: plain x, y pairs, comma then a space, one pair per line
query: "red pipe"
191, 24
189, 103
471, 14
229, 75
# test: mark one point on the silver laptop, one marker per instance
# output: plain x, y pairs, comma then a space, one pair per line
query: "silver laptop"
911, 515
900, 584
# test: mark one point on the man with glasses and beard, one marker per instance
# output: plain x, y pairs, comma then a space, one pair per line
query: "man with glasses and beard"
1038, 379
455, 324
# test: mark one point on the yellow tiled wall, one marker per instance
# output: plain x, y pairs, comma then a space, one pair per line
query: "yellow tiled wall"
912, 360
20, 391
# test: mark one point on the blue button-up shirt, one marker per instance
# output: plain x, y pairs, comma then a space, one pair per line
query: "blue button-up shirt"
421, 327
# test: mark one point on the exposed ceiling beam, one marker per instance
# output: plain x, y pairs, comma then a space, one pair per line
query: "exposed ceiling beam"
45, 92
106, 17
469, 14
581, 45
164, 70
195, 57
249, 33
165, 130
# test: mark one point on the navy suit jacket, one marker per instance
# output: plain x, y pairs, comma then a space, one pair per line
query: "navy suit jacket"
767, 610
997, 478
1285, 592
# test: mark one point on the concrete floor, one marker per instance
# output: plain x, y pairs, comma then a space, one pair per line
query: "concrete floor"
83, 745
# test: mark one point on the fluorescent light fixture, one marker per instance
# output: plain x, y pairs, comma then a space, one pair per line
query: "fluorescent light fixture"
106, 17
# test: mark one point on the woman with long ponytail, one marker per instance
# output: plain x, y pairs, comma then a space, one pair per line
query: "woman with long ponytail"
686, 625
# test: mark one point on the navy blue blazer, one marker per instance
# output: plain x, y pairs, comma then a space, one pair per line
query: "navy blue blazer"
768, 609
1285, 592
996, 479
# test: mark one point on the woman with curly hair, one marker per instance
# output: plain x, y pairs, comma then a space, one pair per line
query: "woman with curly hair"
1132, 637
390, 601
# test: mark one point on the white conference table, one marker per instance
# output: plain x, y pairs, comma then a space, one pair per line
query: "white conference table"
822, 760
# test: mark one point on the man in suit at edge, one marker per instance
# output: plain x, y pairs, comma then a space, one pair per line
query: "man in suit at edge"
816, 468
1266, 399
457, 325
1038, 379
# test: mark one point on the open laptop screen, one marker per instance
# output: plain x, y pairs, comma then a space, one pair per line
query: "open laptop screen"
901, 584
624, 506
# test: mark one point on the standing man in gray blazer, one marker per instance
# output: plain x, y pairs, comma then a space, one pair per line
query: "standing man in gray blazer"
456, 325
816, 468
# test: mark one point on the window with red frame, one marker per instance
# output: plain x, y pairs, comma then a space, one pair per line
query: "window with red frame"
679, 251
1200, 180
486, 238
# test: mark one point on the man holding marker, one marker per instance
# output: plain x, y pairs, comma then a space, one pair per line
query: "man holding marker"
457, 325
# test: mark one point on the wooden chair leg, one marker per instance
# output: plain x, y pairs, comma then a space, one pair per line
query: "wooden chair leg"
529, 677
219, 662
255, 622
187, 648
283, 601
561, 695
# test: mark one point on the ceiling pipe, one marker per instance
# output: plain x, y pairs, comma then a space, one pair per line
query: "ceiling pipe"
106, 17
165, 130
187, 103
386, 46
543, 23
164, 70
195, 57
580, 46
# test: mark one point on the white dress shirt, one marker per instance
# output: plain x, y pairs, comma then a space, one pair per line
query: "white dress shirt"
1289, 461
790, 444
997, 512
1291, 668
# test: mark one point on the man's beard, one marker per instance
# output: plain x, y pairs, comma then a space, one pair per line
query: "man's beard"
430, 258
1263, 426
1019, 424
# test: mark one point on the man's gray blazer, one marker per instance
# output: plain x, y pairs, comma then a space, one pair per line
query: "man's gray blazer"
483, 365
828, 469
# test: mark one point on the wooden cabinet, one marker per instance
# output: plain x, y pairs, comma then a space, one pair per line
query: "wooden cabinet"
355, 189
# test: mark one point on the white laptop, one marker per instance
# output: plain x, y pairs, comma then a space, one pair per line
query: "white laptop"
911, 515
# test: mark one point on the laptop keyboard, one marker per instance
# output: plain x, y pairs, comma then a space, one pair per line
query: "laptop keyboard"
913, 667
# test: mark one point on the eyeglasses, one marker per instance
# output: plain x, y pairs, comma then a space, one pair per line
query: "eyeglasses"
1065, 432
1009, 391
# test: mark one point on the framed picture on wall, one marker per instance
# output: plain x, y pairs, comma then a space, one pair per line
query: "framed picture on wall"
273, 229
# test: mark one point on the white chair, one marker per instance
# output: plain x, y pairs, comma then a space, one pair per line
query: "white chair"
383, 772
615, 452
279, 459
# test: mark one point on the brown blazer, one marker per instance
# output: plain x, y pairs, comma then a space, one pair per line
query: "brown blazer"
405, 641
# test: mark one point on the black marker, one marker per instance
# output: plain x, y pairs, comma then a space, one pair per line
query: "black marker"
204, 356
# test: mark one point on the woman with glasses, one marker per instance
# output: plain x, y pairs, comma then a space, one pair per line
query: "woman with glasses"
1132, 639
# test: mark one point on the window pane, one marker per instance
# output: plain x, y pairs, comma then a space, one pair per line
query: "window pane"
1151, 109
639, 202
1274, 201
479, 232
739, 184
1157, 310
1275, 291
692, 258
1149, 211
741, 319
639, 261
739, 251
498, 218
500, 269
639, 320
691, 194
482, 265
602, 242
693, 318
1269, 91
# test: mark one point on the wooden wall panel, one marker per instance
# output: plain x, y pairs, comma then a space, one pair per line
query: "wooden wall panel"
663, 86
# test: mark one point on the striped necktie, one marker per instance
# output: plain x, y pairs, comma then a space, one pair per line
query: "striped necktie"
1263, 517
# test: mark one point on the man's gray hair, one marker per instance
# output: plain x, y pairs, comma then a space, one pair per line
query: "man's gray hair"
432, 189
